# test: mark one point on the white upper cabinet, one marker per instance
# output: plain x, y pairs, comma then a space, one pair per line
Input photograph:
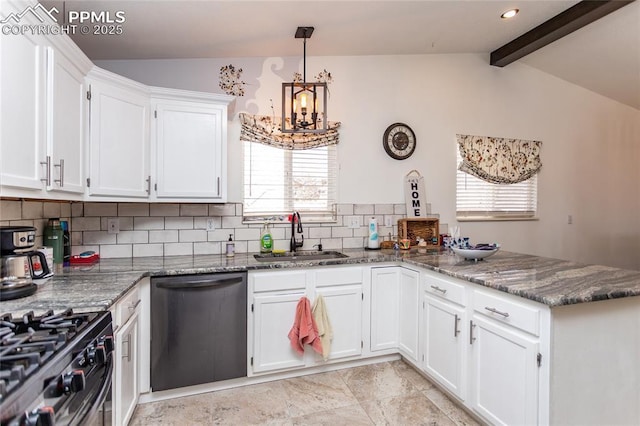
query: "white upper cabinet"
119, 163
42, 114
65, 123
22, 113
189, 150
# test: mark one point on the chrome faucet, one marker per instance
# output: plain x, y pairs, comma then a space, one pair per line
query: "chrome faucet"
295, 244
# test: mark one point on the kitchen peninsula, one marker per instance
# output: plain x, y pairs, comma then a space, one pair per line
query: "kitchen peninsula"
579, 324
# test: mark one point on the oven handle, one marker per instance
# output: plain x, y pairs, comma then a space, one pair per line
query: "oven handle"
102, 396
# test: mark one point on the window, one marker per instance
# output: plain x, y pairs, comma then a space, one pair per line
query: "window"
480, 200
279, 181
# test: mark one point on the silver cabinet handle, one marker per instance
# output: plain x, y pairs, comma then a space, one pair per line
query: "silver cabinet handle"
128, 342
47, 178
471, 327
133, 306
218, 186
148, 180
456, 320
61, 166
495, 311
441, 290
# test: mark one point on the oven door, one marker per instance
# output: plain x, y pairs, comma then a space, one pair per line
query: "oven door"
90, 406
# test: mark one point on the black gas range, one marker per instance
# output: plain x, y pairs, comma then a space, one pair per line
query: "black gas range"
55, 368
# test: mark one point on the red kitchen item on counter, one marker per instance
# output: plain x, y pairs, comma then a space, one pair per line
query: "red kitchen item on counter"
85, 258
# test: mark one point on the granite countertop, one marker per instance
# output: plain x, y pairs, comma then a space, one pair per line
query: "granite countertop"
552, 282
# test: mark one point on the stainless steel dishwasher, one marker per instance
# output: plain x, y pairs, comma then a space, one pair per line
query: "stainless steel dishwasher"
198, 329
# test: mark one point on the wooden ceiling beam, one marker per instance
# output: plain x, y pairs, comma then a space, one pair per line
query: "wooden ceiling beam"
577, 16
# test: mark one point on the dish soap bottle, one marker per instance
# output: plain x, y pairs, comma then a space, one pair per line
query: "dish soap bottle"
266, 242
231, 247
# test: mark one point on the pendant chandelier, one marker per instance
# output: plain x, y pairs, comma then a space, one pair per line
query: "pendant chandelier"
304, 104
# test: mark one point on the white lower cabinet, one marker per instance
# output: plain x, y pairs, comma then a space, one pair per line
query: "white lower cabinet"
504, 373
385, 308
444, 343
273, 299
273, 316
125, 373
409, 300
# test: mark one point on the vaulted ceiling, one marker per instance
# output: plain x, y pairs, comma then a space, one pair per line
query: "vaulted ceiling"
603, 56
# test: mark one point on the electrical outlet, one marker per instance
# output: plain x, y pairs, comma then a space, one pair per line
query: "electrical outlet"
211, 226
354, 222
387, 221
113, 225
570, 219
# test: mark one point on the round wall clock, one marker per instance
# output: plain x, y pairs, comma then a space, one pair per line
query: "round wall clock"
399, 141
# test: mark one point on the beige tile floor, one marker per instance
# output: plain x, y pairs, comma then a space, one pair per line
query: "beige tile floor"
388, 393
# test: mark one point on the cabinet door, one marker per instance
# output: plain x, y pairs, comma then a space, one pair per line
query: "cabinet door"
189, 151
273, 316
444, 357
504, 373
384, 308
125, 381
344, 310
65, 139
118, 141
22, 112
409, 296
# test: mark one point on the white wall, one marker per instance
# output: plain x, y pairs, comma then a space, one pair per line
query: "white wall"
590, 153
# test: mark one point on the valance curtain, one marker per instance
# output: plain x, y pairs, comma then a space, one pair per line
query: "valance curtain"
499, 160
263, 129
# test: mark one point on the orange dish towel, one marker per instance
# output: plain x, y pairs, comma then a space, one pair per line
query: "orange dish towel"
304, 330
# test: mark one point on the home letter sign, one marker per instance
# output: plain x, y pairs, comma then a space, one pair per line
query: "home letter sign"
415, 195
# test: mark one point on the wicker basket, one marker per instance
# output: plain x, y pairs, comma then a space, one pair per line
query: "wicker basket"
423, 227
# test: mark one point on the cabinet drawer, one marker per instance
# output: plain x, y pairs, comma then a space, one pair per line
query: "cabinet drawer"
276, 281
444, 288
507, 311
126, 307
338, 276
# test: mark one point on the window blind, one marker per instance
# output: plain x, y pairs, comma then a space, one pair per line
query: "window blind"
477, 199
279, 181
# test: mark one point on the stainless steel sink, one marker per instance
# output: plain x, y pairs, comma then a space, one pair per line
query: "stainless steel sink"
299, 256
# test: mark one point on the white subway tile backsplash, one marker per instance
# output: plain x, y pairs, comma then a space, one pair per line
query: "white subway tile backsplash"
247, 234
100, 209
192, 235
97, 237
209, 247
148, 223
178, 249
318, 232
129, 237
32, 210
345, 209
180, 229
364, 209
118, 250
51, 209
86, 224
222, 210
352, 242
193, 210
164, 236
77, 209
133, 209
164, 209
341, 232
178, 223
148, 250
10, 210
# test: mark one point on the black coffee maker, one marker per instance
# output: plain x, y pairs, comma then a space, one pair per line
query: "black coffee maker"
19, 264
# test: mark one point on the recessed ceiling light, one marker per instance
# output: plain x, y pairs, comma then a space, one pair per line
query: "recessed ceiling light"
509, 13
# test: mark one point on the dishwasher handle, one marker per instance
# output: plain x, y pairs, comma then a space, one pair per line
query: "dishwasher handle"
185, 285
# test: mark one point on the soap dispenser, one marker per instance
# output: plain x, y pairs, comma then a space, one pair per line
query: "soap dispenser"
266, 241
231, 247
